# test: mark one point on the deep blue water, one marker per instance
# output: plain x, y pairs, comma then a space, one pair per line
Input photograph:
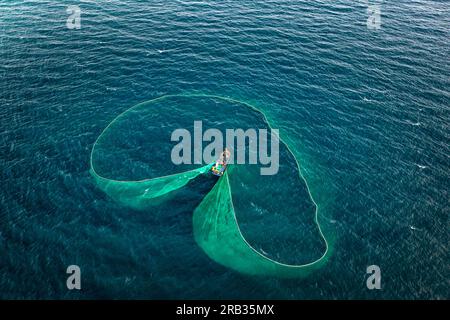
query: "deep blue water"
367, 110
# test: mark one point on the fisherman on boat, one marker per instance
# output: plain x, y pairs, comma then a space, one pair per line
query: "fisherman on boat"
219, 167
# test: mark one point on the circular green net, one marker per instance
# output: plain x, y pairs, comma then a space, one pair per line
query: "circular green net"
131, 162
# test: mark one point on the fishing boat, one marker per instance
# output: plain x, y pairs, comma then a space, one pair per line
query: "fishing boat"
218, 169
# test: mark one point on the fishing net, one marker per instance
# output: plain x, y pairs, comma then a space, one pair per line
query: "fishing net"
131, 162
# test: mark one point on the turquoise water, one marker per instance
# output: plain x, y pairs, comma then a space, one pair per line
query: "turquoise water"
366, 111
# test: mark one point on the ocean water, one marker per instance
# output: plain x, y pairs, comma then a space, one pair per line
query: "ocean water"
367, 112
